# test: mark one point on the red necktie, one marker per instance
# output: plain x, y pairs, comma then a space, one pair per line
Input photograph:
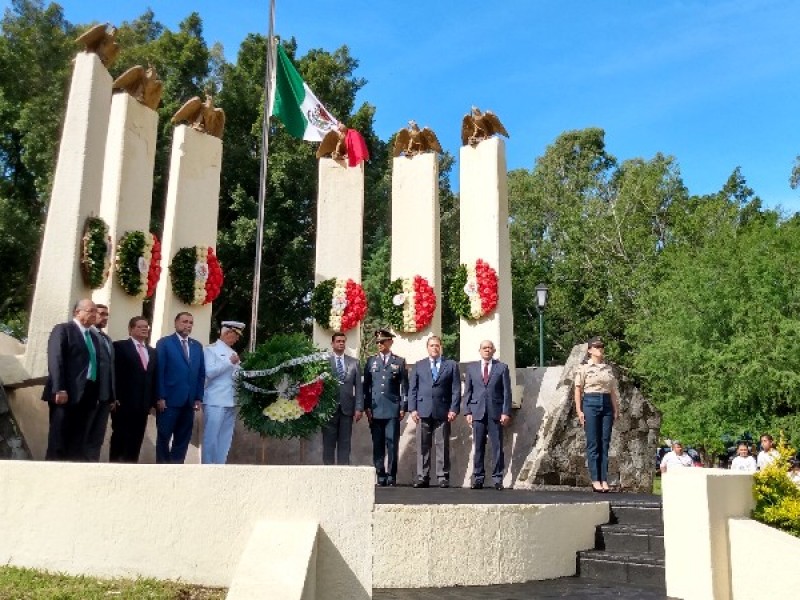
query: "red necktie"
485, 373
142, 355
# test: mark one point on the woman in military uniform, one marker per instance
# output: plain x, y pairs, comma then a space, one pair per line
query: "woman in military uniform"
597, 406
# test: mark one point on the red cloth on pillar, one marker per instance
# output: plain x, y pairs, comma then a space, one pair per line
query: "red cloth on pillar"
356, 148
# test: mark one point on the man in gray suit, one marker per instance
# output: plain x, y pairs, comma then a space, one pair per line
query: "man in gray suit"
487, 406
336, 434
106, 388
434, 397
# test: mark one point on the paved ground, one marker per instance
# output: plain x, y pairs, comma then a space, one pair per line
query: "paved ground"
566, 587
435, 495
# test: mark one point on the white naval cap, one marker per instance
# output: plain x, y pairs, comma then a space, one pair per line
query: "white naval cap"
236, 326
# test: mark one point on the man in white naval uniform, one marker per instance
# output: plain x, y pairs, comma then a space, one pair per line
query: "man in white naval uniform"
219, 405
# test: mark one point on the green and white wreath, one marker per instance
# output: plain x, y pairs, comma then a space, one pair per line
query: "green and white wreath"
95, 253
138, 263
286, 389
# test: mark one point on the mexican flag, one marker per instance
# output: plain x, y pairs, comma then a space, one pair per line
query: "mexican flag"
295, 104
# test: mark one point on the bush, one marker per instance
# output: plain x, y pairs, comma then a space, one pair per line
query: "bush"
776, 495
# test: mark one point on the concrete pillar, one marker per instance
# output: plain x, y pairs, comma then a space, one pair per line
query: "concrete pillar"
484, 234
76, 195
415, 240
127, 194
190, 219
340, 234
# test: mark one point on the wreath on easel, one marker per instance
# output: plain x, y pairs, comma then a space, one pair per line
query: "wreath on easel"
409, 304
95, 253
138, 263
196, 275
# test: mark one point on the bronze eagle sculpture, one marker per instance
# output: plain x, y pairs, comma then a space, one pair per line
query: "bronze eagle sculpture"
477, 126
412, 141
101, 40
202, 116
143, 85
333, 144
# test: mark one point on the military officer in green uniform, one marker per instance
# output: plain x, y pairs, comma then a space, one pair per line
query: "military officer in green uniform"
385, 393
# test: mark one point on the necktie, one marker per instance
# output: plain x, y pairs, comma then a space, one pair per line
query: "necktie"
92, 355
485, 373
434, 370
185, 345
385, 359
142, 355
340, 368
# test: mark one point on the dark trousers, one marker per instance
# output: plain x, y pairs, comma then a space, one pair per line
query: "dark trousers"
127, 434
336, 436
436, 432
175, 425
385, 441
481, 429
66, 439
97, 423
598, 416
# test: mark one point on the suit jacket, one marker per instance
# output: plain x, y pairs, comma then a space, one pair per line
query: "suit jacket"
435, 398
106, 378
351, 396
136, 386
385, 386
492, 398
68, 362
180, 382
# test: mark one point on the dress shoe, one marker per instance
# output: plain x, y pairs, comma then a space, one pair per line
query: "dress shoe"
382, 482
390, 482
421, 484
478, 485
498, 486
444, 484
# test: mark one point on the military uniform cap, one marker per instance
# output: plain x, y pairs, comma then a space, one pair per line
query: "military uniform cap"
236, 326
383, 334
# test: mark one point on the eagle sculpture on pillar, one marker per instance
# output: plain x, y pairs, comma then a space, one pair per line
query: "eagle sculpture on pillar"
477, 126
101, 40
333, 144
143, 85
412, 141
202, 116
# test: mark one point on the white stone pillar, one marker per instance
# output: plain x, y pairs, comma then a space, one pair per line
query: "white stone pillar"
340, 234
127, 194
190, 219
75, 196
484, 234
415, 239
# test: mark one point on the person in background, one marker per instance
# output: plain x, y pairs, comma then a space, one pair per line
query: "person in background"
676, 458
768, 452
219, 402
337, 433
597, 407
743, 462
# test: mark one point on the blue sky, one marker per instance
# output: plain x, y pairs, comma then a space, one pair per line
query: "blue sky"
714, 83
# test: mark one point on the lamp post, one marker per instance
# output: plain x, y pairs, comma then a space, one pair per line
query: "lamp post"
541, 302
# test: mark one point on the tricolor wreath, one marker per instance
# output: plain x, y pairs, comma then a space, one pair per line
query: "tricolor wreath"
95, 253
338, 304
196, 275
409, 304
286, 388
138, 263
473, 293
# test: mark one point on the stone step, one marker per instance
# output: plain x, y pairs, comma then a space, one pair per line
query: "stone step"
641, 514
624, 567
630, 538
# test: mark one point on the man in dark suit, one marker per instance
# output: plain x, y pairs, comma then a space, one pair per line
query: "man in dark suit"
72, 388
337, 432
106, 388
181, 379
487, 406
385, 391
135, 367
434, 399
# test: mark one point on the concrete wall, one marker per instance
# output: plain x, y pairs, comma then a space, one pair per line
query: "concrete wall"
182, 522
480, 544
764, 561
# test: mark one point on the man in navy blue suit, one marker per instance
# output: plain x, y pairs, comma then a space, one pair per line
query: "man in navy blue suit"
181, 378
433, 399
487, 406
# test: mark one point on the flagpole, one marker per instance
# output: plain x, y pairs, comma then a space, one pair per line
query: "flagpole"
262, 187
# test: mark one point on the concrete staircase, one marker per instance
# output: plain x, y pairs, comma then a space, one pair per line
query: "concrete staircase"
630, 548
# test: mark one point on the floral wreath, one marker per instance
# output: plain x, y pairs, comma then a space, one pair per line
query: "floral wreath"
286, 388
95, 252
138, 263
196, 275
473, 293
338, 304
409, 304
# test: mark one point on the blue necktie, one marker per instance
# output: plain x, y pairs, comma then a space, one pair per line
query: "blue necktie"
340, 368
434, 370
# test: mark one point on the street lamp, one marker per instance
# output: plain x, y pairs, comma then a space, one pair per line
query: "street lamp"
541, 302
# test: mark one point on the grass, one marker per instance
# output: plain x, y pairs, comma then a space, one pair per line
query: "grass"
657, 485
28, 584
